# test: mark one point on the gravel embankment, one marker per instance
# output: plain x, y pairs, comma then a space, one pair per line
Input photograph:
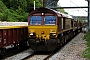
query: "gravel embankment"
73, 50
13, 23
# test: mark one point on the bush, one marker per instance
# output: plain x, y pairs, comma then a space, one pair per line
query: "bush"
16, 10
87, 51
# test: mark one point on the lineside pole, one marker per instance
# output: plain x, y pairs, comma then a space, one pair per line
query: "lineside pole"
34, 5
89, 14
43, 3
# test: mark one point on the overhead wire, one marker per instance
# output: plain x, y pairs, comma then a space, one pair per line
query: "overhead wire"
77, 5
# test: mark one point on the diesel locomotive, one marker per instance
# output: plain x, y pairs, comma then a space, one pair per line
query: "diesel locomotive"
49, 29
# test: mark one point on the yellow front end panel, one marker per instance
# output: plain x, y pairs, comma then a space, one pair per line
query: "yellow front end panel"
42, 31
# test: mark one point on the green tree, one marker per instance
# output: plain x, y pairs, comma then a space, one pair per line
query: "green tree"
62, 10
16, 10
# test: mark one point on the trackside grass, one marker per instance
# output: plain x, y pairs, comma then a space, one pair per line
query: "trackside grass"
87, 51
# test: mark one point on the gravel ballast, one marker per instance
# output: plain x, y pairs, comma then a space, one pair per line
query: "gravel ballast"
73, 50
20, 55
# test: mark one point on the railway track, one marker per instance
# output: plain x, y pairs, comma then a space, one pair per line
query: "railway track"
21, 55
44, 55
31, 55
38, 57
41, 55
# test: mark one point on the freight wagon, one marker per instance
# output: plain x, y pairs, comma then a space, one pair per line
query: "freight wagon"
12, 36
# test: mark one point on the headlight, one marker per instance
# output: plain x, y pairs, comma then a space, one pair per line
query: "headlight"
53, 34
42, 32
31, 33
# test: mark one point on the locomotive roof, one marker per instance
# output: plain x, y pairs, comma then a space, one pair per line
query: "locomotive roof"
58, 13
64, 15
42, 9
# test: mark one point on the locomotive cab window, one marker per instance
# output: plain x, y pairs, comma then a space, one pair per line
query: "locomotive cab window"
35, 20
50, 20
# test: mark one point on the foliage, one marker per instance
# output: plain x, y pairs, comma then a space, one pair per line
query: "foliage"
16, 10
87, 51
62, 10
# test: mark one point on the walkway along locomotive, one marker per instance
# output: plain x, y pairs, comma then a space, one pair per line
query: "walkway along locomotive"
49, 29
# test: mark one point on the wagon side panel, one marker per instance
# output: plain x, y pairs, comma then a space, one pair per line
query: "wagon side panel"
10, 36
1, 38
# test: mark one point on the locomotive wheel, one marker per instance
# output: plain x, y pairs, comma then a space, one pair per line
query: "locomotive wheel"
52, 44
62, 41
61, 44
65, 39
37, 45
22, 43
32, 43
72, 34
